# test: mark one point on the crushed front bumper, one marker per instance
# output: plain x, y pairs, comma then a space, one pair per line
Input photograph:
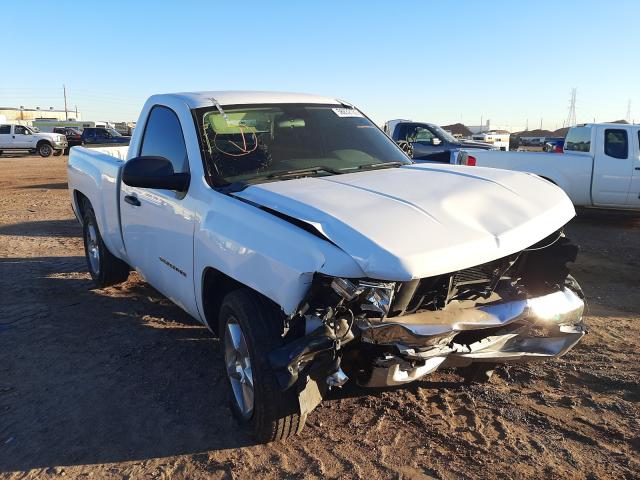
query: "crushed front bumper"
522, 330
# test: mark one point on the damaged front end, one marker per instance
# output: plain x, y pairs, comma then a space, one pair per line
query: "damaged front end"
523, 307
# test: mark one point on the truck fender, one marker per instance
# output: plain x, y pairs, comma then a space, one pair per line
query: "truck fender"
263, 252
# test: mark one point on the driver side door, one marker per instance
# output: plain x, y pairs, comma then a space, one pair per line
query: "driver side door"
22, 137
157, 224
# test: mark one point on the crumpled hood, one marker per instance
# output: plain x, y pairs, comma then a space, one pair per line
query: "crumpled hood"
419, 221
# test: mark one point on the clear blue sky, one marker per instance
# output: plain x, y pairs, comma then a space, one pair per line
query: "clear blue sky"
430, 60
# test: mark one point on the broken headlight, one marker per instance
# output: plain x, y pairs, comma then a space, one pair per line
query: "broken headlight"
372, 296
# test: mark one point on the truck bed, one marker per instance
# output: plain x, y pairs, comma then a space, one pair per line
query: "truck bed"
96, 172
570, 171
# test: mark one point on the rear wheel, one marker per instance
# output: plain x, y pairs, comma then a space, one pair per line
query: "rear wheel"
45, 149
105, 269
249, 330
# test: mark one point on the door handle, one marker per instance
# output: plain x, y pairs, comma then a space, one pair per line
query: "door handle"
132, 200
637, 168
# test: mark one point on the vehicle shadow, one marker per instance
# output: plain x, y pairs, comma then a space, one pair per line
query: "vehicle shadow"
49, 186
614, 218
100, 376
43, 228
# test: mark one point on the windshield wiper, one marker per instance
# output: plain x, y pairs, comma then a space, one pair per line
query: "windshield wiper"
372, 166
303, 171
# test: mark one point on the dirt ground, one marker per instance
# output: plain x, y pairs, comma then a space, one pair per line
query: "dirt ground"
119, 383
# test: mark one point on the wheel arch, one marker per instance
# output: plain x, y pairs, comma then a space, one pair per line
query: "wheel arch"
215, 286
80, 204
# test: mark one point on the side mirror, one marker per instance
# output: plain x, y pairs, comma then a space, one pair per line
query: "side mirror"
435, 141
154, 172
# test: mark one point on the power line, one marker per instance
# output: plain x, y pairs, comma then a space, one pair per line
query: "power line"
571, 117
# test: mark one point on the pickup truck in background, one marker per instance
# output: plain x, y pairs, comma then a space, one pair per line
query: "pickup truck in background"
103, 136
305, 239
600, 166
426, 142
22, 138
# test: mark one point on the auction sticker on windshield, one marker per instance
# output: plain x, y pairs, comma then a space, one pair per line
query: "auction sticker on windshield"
347, 112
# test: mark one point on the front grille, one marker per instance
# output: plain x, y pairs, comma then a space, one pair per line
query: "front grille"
480, 273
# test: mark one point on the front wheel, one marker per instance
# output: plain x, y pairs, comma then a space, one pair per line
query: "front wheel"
105, 268
249, 330
57, 153
45, 150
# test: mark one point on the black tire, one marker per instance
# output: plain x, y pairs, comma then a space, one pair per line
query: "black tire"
275, 414
477, 373
107, 269
45, 149
57, 153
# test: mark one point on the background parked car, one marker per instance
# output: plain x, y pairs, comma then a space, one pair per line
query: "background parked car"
429, 142
555, 145
74, 136
102, 136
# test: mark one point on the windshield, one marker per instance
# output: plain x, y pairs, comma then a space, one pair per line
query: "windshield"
114, 133
257, 142
446, 135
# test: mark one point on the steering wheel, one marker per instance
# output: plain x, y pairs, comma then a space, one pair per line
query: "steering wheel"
406, 147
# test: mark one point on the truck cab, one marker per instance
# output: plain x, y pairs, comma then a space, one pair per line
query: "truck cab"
614, 152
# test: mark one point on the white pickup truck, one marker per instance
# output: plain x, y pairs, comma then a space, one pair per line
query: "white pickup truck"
600, 166
23, 138
299, 233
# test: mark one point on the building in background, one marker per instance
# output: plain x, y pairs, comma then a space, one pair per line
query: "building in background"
28, 115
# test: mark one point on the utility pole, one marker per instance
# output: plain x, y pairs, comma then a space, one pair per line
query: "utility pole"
540, 123
76, 113
629, 111
64, 91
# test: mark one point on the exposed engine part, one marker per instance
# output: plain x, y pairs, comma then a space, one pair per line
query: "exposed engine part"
521, 307
333, 332
337, 378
